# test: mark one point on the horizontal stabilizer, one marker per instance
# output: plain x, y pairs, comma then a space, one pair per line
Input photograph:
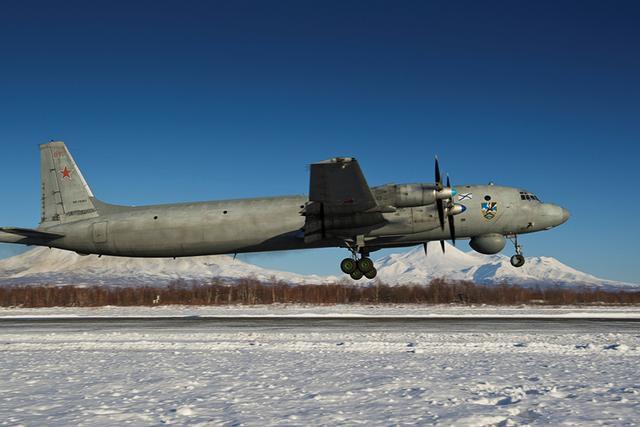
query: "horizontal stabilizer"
31, 233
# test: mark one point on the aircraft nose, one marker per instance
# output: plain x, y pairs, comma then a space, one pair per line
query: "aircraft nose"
552, 215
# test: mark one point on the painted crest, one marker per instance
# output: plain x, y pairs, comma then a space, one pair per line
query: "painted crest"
489, 210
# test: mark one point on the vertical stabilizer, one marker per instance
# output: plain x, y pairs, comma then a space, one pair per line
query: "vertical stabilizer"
66, 197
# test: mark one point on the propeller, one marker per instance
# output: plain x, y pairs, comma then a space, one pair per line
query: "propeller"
439, 202
451, 209
443, 193
452, 227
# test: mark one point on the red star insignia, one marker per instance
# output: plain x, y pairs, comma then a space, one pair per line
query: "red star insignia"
66, 173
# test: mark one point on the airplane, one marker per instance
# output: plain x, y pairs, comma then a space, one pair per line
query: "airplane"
341, 210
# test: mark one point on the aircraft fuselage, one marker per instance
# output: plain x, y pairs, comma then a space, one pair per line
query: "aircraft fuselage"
341, 210
275, 223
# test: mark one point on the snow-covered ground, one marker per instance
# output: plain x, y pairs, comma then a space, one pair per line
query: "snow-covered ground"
351, 310
310, 372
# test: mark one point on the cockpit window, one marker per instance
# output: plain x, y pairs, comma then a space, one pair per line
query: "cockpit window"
524, 195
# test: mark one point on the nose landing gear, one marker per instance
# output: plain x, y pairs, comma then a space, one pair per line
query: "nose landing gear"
518, 259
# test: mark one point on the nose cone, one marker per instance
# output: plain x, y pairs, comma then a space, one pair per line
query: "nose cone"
550, 215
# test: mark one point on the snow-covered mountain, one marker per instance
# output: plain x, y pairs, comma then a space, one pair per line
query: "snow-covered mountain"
454, 264
53, 266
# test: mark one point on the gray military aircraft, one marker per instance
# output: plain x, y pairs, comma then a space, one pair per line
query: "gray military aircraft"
340, 211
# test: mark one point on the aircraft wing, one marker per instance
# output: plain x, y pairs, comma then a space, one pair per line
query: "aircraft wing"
340, 201
28, 233
339, 185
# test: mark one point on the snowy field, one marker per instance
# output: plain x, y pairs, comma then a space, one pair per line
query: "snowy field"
351, 310
318, 371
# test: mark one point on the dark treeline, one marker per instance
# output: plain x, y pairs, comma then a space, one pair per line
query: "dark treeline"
254, 292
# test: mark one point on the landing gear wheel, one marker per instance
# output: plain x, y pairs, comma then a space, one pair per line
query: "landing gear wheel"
356, 275
517, 260
348, 266
365, 265
371, 274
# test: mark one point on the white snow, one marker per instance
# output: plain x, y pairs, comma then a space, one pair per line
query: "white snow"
454, 264
53, 266
202, 374
329, 311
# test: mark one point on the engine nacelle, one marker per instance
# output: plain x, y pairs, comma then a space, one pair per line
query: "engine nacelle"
406, 195
488, 244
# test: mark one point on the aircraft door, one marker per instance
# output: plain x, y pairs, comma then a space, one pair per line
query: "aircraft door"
100, 230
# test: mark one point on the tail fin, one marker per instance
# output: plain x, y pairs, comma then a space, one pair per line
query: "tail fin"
66, 197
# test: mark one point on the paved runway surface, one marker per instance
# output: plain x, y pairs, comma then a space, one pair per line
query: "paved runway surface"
416, 325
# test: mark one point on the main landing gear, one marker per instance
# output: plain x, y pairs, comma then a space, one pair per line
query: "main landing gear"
358, 266
518, 259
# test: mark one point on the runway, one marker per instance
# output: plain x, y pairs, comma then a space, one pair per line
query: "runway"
327, 324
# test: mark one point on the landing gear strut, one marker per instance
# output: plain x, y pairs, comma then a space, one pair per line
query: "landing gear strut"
518, 259
359, 265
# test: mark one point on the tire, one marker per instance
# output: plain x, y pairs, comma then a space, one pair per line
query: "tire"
365, 265
356, 275
371, 274
348, 266
517, 261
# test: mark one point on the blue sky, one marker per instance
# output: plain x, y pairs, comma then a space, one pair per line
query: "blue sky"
180, 101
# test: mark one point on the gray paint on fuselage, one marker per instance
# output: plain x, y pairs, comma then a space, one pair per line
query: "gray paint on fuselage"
272, 224
189, 229
343, 211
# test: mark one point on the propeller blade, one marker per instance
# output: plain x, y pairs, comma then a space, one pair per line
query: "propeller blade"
442, 245
452, 226
424, 245
440, 207
452, 230
439, 204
